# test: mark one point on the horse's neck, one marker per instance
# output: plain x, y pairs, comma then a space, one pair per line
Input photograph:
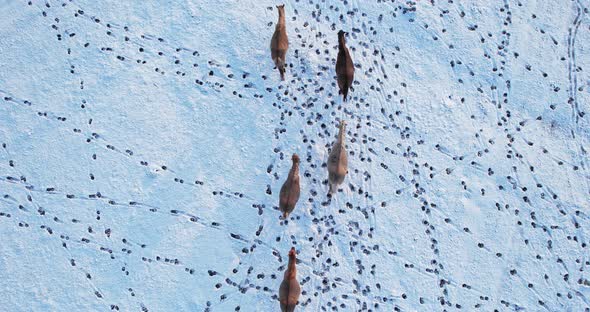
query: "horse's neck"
294, 170
281, 22
342, 43
341, 134
291, 272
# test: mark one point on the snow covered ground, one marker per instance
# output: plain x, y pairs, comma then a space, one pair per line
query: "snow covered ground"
144, 144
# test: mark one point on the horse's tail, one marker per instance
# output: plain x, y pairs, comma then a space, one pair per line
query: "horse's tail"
281, 66
345, 92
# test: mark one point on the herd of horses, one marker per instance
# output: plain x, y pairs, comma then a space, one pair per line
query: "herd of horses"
290, 289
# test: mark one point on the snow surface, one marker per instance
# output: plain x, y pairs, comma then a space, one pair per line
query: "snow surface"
144, 144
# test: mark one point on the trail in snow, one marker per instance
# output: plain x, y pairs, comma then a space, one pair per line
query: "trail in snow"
143, 147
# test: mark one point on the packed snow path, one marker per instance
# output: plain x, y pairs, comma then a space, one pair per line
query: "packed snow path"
143, 145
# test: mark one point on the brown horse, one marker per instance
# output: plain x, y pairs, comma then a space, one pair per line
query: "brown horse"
279, 44
344, 66
290, 289
338, 160
290, 190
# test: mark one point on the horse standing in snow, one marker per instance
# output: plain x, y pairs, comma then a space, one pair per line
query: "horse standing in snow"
338, 160
289, 194
344, 66
290, 290
279, 44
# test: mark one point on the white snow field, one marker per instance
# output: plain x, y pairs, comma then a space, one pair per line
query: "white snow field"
144, 144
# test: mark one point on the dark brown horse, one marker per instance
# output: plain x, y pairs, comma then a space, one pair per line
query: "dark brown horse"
344, 66
290, 190
290, 289
279, 44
